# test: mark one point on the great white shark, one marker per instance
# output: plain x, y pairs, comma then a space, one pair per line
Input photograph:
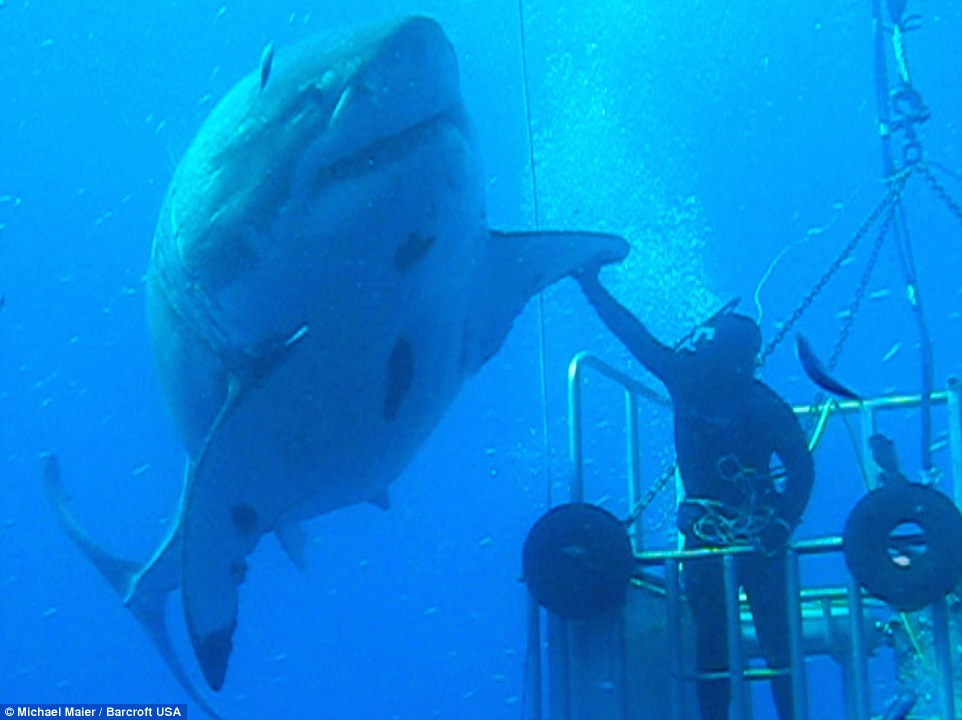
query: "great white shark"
322, 282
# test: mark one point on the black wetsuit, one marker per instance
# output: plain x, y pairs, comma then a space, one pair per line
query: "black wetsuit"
728, 425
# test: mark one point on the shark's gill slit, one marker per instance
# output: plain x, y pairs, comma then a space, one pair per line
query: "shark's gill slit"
245, 518
413, 250
400, 374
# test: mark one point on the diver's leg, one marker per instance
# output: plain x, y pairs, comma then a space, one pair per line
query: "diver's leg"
764, 582
705, 587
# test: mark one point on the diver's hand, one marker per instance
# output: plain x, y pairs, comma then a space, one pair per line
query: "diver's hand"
773, 538
587, 272
587, 278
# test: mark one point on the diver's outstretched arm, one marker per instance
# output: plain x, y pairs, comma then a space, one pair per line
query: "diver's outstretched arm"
653, 354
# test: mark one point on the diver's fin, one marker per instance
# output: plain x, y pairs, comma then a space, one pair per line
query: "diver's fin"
819, 375
294, 541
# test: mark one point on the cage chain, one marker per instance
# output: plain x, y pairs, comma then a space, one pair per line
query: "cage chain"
941, 191
891, 197
853, 308
887, 203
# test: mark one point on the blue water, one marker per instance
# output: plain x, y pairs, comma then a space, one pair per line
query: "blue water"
713, 135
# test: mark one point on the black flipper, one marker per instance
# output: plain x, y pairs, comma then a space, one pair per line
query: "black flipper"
819, 375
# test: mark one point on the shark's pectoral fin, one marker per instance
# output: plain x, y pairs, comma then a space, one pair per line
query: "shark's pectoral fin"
531, 261
522, 264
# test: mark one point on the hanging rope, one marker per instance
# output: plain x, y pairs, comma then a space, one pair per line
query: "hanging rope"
859, 295
542, 365
885, 204
899, 111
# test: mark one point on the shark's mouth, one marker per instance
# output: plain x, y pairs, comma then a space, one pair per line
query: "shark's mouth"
392, 148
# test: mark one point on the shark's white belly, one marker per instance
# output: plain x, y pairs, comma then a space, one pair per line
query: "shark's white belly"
378, 293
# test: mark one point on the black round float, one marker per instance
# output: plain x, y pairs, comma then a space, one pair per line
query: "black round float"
578, 560
909, 571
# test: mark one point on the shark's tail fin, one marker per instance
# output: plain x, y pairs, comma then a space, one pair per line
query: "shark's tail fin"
146, 601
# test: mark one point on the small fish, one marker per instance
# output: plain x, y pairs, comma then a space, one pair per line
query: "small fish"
902, 706
267, 60
816, 371
892, 352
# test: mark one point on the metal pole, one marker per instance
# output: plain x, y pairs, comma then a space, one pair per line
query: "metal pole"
534, 693
869, 469
736, 663
634, 466
675, 640
574, 431
858, 661
882, 90
622, 630
795, 637
954, 401
943, 656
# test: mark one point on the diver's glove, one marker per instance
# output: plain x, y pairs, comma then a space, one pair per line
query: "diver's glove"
773, 538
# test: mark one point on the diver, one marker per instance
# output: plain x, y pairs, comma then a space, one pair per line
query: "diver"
728, 425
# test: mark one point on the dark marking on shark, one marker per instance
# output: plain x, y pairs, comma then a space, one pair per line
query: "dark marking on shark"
245, 519
412, 251
267, 61
213, 652
400, 374
238, 571
816, 371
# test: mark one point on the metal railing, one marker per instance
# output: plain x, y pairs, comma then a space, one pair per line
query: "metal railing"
856, 664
